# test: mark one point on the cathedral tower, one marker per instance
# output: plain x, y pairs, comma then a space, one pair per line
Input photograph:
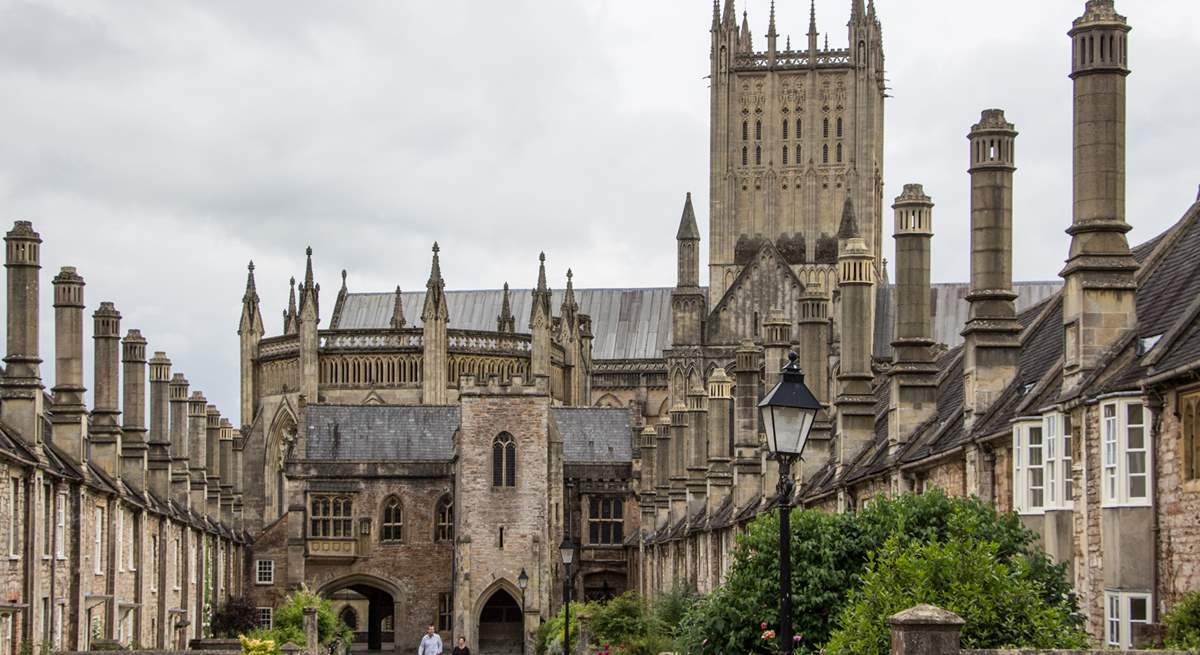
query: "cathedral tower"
792, 133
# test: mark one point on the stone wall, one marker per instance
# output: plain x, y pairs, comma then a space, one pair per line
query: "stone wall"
1178, 501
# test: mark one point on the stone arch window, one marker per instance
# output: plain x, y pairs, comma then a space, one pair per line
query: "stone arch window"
825, 154
331, 516
757, 130
504, 461
785, 129
758, 155
785, 157
799, 128
391, 527
745, 130
825, 128
349, 617
839, 127
443, 528
839, 153
744, 156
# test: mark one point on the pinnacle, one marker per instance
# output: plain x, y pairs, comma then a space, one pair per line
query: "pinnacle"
849, 227
687, 223
436, 249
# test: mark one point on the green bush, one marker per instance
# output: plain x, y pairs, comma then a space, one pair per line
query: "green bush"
830, 554
238, 616
1183, 624
289, 621
1001, 601
549, 640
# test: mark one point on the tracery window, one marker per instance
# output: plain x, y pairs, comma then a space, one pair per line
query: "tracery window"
744, 155
758, 155
825, 154
391, 527
444, 517
745, 131
839, 127
331, 517
825, 128
504, 461
785, 158
757, 130
785, 128
799, 126
839, 153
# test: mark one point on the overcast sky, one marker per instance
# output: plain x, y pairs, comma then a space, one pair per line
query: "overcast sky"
159, 146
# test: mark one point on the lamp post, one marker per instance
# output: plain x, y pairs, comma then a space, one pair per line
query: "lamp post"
522, 583
566, 550
788, 412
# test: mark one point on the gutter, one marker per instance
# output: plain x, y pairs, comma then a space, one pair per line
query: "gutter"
1194, 368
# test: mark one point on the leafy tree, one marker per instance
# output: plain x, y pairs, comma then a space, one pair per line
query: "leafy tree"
1001, 601
289, 621
830, 554
238, 616
1183, 624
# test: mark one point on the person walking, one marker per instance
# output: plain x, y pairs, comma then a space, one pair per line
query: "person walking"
461, 648
431, 643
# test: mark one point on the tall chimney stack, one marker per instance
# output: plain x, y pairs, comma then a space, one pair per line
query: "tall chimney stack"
212, 460
104, 435
70, 413
992, 334
21, 390
1099, 304
856, 284
225, 455
198, 450
159, 453
180, 482
720, 438
133, 431
913, 375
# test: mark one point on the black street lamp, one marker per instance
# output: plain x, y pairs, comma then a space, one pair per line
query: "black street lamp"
522, 583
566, 550
788, 412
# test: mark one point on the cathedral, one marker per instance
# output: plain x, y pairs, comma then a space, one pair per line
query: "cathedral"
418, 456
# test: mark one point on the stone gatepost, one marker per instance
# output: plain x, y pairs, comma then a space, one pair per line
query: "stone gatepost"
310, 631
925, 630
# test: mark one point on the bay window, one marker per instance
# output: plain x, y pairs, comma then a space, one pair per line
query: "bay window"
1029, 467
1057, 438
1126, 455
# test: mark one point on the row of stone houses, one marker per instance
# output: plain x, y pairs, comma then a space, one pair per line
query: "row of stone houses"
1080, 412
115, 528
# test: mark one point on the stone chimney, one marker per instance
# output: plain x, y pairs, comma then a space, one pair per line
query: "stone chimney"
855, 399
104, 435
992, 336
212, 461
133, 430
720, 438
813, 354
70, 413
159, 454
21, 389
662, 475
679, 426
646, 491
225, 456
1099, 295
179, 433
747, 457
778, 332
913, 375
198, 451
239, 448
697, 449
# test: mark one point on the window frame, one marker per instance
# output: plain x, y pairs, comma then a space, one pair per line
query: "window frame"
606, 530
1056, 440
14, 520
504, 461
445, 615
47, 519
98, 541
1122, 603
391, 531
261, 567
1023, 468
336, 518
60, 545
1116, 476
269, 614
1189, 428
443, 520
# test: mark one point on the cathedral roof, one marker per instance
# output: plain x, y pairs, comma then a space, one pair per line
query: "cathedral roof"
381, 432
594, 435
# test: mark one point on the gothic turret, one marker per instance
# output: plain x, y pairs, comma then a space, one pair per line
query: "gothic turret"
1099, 304
290, 318
434, 317
250, 333
688, 303
992, 334
309, 317
336, 318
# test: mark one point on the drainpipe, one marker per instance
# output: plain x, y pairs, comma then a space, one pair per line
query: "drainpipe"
1155, 404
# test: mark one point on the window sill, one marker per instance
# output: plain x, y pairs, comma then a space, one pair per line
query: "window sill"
258, 584
1115, 505
14, 558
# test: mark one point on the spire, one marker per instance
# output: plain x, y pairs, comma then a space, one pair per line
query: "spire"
812, 31
336, 319
309, 307
827, 40
569, 295
856, 10
251, 318
308, 273
788, 43
730, 17
771, 27
397, 311
716, 14
744, 37
541, 297
505, 322
871, 9
687, 223
849, 226
435, 291
289, 316
251, 295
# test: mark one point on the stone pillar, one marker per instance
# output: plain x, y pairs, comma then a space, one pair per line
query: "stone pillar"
747, 477
307, 333
133, 429
21, 388
913, 375
178, 392
1099, 305
697, 449
720, 438
197, 452
104, 435
159, 454
225, 456
434, 342
992, 335
925, 630
310, 631
70, 414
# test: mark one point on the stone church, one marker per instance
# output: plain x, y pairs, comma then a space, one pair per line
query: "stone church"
418, 456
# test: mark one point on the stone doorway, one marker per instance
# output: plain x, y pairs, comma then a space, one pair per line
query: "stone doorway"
368, 611
500, 625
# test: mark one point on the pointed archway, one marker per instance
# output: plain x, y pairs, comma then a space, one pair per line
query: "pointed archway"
500, 625
365, 597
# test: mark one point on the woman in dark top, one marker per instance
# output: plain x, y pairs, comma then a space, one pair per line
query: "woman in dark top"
461, 648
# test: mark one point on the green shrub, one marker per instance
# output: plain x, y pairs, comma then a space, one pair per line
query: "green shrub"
236, 617
830, 554
549, 640
1183, 624
1001, 601
288, 624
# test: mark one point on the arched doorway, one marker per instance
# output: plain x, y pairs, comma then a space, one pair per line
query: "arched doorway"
500, 625
366, 609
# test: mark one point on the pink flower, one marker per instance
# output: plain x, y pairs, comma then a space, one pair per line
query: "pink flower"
763, 625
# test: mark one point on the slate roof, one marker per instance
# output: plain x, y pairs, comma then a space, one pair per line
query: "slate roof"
594, 435
627, 323
356, 433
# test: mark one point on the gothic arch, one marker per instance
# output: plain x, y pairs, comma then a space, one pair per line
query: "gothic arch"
501, 584
280, 439
608, 400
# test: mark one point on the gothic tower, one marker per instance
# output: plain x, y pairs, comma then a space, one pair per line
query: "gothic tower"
792, 133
